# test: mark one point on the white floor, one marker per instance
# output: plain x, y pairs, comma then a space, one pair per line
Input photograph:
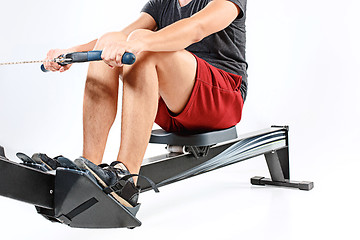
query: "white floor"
223, 205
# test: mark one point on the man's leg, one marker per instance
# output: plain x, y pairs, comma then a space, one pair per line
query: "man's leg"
169, 74
100, 106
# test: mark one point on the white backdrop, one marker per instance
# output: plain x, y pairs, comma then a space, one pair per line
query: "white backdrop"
303, 71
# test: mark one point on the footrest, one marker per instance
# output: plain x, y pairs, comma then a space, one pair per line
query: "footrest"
68, 196
304, 185
80, 202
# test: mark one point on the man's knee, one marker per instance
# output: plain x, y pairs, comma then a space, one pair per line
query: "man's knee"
158, 60
97, 89
144, 57
109, 37
138, 34
116, 36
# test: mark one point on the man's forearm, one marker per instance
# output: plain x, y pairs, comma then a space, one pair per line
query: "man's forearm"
174, 37
84, 47
91, 45
217, 15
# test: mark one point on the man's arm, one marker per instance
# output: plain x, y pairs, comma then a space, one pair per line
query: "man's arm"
217, 15
144, 21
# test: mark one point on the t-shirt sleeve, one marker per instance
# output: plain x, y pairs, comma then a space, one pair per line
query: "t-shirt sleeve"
152, 7
242, 5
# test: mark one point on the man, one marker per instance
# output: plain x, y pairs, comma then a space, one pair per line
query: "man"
190, 75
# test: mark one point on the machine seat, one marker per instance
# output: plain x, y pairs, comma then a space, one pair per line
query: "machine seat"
198, 139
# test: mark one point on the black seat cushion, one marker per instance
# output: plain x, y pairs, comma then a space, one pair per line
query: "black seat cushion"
199, 139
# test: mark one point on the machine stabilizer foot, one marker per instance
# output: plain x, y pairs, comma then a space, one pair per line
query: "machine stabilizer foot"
302, 185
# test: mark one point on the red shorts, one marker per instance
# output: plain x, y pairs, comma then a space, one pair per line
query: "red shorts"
215, 103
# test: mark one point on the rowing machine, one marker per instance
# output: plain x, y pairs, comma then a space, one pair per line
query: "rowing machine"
74, 198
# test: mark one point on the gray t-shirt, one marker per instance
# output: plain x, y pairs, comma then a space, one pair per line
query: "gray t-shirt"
224, 49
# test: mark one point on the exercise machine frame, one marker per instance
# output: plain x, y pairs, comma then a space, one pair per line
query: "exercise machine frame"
73, 197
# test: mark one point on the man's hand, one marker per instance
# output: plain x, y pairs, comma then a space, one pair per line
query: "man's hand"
112, 52
52, 66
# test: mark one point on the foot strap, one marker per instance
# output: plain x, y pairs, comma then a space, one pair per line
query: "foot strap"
119, 185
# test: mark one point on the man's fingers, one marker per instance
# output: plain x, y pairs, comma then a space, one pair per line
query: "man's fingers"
66, 67
112, 55
118, 58
53, 66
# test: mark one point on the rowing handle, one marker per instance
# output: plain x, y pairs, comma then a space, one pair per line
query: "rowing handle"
77, 57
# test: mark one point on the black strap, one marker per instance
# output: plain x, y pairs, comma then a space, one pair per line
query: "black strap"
152, 184
118, 186
81, 208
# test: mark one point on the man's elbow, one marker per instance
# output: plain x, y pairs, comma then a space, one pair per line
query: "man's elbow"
199, 31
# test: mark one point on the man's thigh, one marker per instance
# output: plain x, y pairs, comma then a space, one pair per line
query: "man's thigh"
177, 73
215, 102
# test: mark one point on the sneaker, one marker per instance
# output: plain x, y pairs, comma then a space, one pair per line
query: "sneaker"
45, 163
28, 161
115, 179
49, 163
54, 163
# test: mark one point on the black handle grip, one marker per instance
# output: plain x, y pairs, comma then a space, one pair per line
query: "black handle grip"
77, 57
